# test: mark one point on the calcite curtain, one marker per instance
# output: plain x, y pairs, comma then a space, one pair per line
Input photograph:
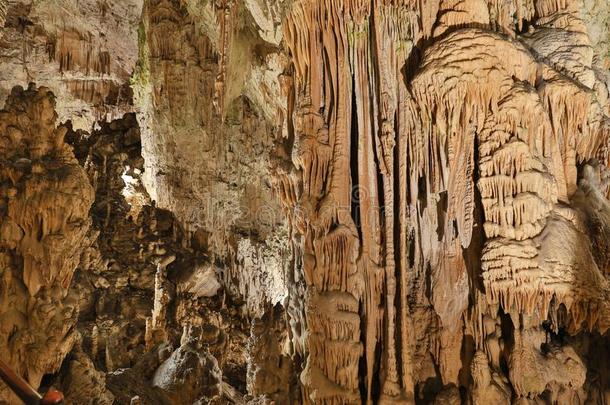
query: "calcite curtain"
435, 150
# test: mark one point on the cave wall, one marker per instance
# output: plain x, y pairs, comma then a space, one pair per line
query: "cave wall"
84, 51
436, 180
45, 222
210, 119
306, 201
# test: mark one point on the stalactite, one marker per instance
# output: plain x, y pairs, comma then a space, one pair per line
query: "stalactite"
482, 117
322, 139
226, 15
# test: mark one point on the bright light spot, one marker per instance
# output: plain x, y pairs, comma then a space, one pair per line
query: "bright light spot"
131, 192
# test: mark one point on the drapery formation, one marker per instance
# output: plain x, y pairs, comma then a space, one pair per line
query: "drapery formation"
434, 195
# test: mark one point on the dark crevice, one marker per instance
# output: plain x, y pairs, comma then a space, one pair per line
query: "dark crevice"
354, 164
472, 254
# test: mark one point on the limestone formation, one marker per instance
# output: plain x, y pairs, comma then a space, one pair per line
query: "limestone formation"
83, 50
44, 228
306, 201
467, 133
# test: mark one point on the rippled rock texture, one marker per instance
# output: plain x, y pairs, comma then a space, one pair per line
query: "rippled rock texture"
436, 194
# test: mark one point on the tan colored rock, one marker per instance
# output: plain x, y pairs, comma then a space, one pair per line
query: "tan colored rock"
187, 375
84, 384
421, 185
85, 51
486, 122
45, 219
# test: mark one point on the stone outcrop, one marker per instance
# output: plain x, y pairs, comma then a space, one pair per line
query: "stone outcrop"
44, 209
189, 374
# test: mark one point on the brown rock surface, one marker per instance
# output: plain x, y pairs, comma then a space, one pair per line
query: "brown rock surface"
316, 202
44, 222
83, 50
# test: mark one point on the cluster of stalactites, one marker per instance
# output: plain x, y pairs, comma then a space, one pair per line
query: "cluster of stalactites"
318, 198
454, 107
481, 106
402, 22
533, 126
